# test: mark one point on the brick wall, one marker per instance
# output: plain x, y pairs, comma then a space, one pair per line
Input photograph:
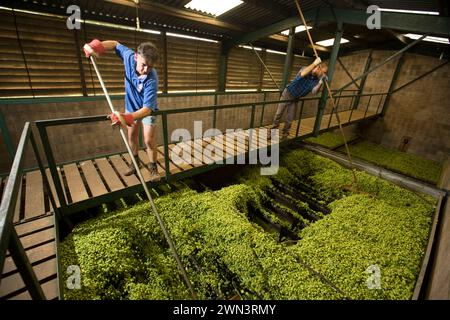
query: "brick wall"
78, 141
420, 111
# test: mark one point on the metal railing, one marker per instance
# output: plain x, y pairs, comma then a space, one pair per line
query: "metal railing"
8, 236
253, 123
9, 239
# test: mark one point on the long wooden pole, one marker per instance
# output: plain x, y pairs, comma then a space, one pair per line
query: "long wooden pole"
147, 192
330, 94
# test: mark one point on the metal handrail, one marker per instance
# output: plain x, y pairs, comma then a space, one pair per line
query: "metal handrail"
43, 124
9, 239
8, 236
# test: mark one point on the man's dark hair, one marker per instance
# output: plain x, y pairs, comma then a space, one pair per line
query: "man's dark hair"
149, 52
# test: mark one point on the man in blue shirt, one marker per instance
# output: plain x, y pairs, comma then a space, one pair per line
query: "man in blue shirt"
308, 79
141, 88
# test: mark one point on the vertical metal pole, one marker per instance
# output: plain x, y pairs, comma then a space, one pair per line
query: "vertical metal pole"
331, 65
167, 236
400, 62
223, 66
166, 145
367, 107
261, 70
58, 213
379, 103
52, 166
262, 111
164, 62
24, 267
363, 80
6, 136
80, 63
300, 118
338, 99
288, 60
351, 109
252, 118
215, 110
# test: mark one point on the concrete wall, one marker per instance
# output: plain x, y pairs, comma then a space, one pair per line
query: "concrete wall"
78, 141
420, 111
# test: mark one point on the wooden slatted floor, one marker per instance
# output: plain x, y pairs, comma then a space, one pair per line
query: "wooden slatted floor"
92, 178
38, 239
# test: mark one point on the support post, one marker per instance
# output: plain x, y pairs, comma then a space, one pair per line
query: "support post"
223, 66
52, 167
215, 111
289, 56
6, 137
164, 62
80, 63
400, 62
331, 65
261, 69
166, 145
363, 80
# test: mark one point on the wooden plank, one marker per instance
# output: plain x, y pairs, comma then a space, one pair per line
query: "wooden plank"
183, 164
195, 157
198, 146
34, 195
262, 142
14, 282
145, 171
122, 167
244, 143
50, 289
34, 255
110, 176
37, 238
161, 160
227, 152
94, 181
75, 183
33, 225
209, 149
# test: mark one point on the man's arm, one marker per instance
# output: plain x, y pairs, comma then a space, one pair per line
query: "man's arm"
316, 88
141, 113
128, 118
305, 71
96, 47
109, 44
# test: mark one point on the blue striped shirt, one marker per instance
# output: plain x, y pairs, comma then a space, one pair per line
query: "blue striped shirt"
300, 87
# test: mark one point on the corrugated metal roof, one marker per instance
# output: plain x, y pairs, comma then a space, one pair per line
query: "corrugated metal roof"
249, 16
429, 5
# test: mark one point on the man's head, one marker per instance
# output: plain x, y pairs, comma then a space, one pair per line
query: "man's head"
320, 71
146, 57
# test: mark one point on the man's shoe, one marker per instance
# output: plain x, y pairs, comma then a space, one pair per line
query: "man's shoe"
153, 168
131, 169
